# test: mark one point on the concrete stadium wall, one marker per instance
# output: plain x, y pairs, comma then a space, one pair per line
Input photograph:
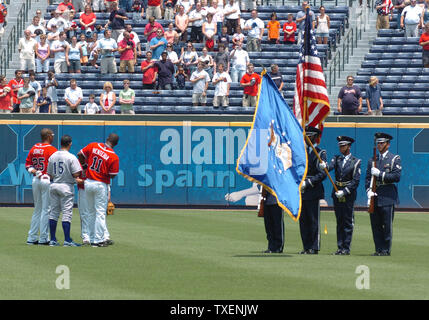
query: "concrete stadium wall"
193, 162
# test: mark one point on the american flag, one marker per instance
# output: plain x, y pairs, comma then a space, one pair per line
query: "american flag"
311, 101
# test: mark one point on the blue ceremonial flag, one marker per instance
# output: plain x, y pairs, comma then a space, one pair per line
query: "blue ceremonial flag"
274, 155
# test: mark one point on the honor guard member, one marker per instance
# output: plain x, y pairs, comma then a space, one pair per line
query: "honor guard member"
347, 176
274, 225
312, 191
387, 172
37, 164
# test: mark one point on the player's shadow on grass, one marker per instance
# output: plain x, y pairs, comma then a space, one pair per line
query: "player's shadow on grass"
258, 254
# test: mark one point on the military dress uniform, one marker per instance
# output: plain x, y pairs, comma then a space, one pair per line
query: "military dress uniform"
389, 166
274, 224
309, 221
347, 176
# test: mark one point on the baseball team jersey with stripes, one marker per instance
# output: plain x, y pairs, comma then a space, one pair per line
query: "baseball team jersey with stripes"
102, 162
39, 155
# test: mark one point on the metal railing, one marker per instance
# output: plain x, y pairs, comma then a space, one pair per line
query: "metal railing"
350, 42
6, 55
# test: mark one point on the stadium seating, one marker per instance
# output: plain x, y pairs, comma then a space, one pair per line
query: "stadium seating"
286, 56
397, 63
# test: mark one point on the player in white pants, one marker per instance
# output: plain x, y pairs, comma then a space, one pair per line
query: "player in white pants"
101, 164
82, 204
64, 169
36, 164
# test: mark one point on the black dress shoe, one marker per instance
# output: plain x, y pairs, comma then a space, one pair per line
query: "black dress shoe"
272, 251
109, 242
99, 245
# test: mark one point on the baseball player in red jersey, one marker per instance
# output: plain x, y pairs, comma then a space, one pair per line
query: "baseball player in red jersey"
101, 164
37, 164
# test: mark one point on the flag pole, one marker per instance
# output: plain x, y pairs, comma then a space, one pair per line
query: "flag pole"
318, 157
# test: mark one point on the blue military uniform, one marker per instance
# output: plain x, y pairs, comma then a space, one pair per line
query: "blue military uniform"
309, 221
274, 225
347, 176
390, 168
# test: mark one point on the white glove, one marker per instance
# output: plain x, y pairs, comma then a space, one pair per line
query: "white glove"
371, 194
375, 172
339, 194
323, 165
38, 174
303, 186
233, 196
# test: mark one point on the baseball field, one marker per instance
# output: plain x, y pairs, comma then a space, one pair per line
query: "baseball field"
210, 254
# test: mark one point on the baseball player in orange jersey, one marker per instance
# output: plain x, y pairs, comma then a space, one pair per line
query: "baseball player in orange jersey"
37, 164
101, 164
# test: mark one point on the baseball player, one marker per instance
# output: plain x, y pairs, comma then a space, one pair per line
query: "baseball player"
101, 164
83, 211
36, 164
64, 169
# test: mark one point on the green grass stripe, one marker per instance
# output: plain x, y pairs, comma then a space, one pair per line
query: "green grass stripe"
210, 254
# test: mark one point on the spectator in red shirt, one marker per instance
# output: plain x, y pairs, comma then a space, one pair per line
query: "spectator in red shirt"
5, 96
289, 29
127, 49
250, 82
154, 9
66, 5
15, 85
424, 42
3, 14
88, 18
150, 30
150, 72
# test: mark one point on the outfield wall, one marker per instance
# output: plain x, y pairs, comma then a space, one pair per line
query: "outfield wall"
193, 163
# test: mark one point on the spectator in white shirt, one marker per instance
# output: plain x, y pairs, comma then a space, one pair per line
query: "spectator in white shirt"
73, 97
255, 30
91, 107
200, 80
222, 81
59, 48
232, 14
27, 50
196, 18
35, 28
247, 5
239, 61
218, 16
410, 18
58, 21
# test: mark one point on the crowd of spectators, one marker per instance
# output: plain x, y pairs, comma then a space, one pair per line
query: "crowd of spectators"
73, 38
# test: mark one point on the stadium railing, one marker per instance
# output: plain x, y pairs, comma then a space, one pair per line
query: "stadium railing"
13, 39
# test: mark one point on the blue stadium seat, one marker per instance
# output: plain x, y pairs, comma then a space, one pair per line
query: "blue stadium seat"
418, 103
388, 86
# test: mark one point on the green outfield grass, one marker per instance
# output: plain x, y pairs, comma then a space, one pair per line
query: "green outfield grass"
209, 254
